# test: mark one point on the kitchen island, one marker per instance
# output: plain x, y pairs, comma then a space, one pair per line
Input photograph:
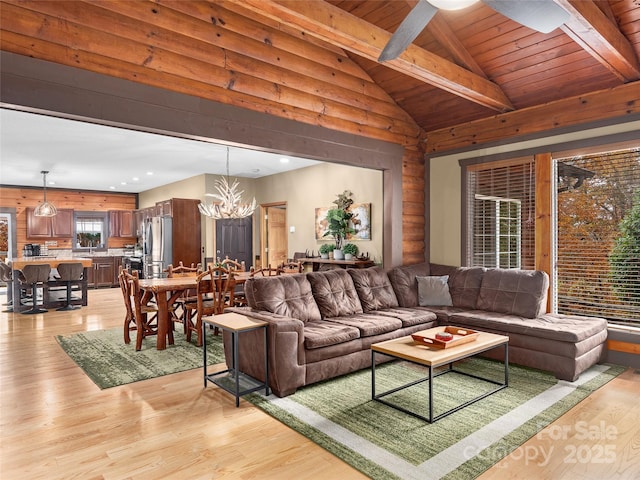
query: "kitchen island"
18, 264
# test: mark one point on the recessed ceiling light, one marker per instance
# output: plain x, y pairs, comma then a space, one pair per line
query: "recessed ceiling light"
112, 187
135, 179
149, 173
51, 182
123, 183
284, 160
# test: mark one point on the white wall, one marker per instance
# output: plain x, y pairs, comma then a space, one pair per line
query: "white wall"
302, 190
318, 186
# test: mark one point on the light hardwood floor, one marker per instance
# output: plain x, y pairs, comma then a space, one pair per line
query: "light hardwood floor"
56, 424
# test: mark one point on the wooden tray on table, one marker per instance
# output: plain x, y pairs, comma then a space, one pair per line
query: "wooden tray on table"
460, 336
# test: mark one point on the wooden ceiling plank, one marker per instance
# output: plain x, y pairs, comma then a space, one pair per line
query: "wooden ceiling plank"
336, 26
600, 37
448, 39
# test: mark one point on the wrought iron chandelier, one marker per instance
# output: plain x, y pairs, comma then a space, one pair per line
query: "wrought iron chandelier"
45, 209
230, 200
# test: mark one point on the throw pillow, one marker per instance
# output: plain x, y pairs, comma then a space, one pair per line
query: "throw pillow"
434, 291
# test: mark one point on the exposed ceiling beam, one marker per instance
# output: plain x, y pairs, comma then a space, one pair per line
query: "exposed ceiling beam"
443, 33
601, 38
446, 37
340, 28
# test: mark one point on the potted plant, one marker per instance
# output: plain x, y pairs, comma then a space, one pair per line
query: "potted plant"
325, 248
338, 219
350, 250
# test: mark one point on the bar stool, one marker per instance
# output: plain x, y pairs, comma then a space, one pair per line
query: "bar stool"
6, 276
70, 273
35, 275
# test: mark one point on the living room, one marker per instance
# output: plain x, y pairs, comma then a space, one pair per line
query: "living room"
422, 213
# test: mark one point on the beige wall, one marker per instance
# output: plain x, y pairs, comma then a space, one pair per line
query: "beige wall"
318, 186
445, 186
302, 190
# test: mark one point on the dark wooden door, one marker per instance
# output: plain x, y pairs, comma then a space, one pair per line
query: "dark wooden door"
234, 238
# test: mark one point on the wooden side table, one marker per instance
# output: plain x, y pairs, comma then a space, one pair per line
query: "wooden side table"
233, 380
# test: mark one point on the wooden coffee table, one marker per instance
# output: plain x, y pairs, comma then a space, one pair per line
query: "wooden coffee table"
407, 349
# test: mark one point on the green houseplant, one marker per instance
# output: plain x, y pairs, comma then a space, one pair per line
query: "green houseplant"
325, 248
338, 219
350, 250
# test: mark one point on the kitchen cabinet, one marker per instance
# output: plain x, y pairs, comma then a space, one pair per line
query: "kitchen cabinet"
141, 215
164, 208
59, 226
121, 223
187, 221
101, 273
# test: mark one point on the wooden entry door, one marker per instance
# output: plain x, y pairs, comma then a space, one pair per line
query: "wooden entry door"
274, 242
234, 239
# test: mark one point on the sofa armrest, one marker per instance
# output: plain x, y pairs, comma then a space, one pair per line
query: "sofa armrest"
285, 336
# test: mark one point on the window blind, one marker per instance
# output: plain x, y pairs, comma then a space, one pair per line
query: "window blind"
501, 214
598, 236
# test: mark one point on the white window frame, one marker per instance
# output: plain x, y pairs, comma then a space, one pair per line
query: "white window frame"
498, 234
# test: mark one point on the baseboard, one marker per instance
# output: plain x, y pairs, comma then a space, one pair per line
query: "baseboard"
623, 346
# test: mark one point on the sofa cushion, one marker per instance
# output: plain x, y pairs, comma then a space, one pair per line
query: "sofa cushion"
564, 328
403, 280
369, 324
410, 316
320, 333
334, 293
518, 292
464, 283
288, 295
374, 288
434, 290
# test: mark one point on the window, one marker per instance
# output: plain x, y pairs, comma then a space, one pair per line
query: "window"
598, 236
90, 231
501, 214
497, 232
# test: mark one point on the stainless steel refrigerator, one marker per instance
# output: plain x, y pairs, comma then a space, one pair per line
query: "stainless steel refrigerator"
157, 245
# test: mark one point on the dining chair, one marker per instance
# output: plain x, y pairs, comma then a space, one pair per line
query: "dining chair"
179, 312
290, 267
214, 292
233, 265
129, 318
35, 276
267, 271
143, 314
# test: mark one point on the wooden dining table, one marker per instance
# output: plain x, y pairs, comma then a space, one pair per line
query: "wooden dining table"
166, 291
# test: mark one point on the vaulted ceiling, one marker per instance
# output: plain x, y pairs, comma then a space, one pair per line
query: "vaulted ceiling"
484, 63
319, 58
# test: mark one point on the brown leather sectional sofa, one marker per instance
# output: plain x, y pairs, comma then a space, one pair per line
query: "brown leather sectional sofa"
322, 324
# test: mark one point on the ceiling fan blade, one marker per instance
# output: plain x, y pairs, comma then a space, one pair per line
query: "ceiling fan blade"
408, 30
541, 15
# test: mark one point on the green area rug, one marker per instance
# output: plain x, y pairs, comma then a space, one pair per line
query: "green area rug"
109, 362
385, 443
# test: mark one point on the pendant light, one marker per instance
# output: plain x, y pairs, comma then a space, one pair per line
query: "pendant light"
45, 209
230, 205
